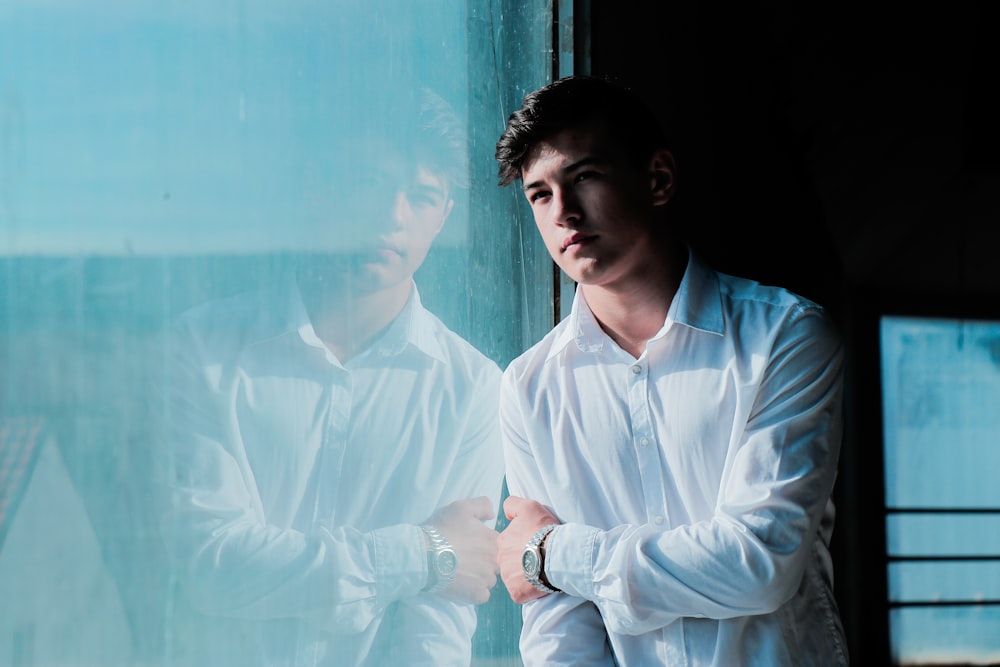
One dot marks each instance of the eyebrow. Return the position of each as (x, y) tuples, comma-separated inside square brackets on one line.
[(582, 162), (432, 180), (427, 189)]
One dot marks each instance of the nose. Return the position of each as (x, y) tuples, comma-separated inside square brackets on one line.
[(385, 214), (566, 208), (401, 211)]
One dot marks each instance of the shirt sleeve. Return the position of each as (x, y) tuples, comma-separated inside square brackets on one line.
[(749, 558), (478, 470), (557, 629), (228, 558), (429, 629)]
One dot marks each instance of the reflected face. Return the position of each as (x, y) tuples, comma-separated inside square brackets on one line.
[(406, 212), (390, 211), (593, 207)]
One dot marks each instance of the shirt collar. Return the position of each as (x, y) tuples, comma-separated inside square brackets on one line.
[(698, 301), (414, 327), (581, 328), (697, 304)]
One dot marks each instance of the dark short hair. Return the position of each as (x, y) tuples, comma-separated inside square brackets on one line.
[(418, 122), (440, 139), (573, 101)]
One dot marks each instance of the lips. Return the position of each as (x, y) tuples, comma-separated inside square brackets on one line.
[(576, 240), (388, 247)]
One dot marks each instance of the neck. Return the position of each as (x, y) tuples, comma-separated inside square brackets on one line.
[(347, 318), (632, 310)]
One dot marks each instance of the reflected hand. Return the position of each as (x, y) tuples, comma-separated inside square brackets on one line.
[(526, 518), (475, 545)]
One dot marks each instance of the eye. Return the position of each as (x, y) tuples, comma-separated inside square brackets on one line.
[(585, 175), (537, 195), (421, 200), (424, 197)]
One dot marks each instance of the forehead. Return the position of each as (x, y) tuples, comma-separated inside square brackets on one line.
[(373, 152), (428, 178), (590, 141)]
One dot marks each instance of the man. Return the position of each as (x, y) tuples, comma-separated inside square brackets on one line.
[(334, 456), (671, 446)]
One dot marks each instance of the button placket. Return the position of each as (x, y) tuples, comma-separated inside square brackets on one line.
[(335, 431), (648, 457)]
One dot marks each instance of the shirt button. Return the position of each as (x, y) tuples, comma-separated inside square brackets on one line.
[(658, 520), (643, 441), (636, 369)]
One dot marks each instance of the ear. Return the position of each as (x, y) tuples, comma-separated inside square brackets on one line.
[(661, 172)]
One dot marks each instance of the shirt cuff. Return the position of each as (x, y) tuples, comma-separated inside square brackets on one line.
[(400, 562), (569, 559)]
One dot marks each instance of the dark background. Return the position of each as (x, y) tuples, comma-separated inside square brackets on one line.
[(850, 152)]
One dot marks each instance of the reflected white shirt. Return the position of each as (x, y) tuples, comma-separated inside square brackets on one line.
[(298, 484), (693, 482)]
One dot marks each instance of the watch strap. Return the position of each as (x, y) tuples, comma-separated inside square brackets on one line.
[(535, 544), (437, 544)]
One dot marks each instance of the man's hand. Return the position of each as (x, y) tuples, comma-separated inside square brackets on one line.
[(526, 517), (475, 545)]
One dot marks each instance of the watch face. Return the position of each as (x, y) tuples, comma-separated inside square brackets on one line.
[(529, 561), (445, 563)]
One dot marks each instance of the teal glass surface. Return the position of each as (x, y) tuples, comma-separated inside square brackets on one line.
[(156, 157)]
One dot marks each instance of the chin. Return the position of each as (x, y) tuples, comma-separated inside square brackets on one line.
[(376, 278), (585, 276)]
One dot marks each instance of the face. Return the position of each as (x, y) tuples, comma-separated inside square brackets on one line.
[(414, 206), (594, 209), (391, 212)]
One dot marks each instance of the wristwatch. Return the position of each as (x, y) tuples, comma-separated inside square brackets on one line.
[(441, 561), (533, 560)]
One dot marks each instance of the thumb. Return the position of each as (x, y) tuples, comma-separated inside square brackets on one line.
[(512, 506), (482, 508)]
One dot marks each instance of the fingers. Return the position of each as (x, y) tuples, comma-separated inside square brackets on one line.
[(481, 593), (474, 581), (480, 509), (515, 506)]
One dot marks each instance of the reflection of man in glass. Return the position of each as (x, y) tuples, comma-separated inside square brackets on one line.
[(334, 458)]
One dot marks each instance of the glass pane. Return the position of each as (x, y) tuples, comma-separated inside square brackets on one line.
[(945, 635), (944, 581), (941, 386), (269, 175), (943, 534)]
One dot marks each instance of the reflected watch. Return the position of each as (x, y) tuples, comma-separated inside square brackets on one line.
[(533, 560), (441, 560)]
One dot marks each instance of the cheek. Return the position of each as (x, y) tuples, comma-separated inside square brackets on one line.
[(425, 221), (549, 234), (423, 230)]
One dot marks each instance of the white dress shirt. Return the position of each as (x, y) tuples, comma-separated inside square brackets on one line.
[(694, 482), (297, 485)]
